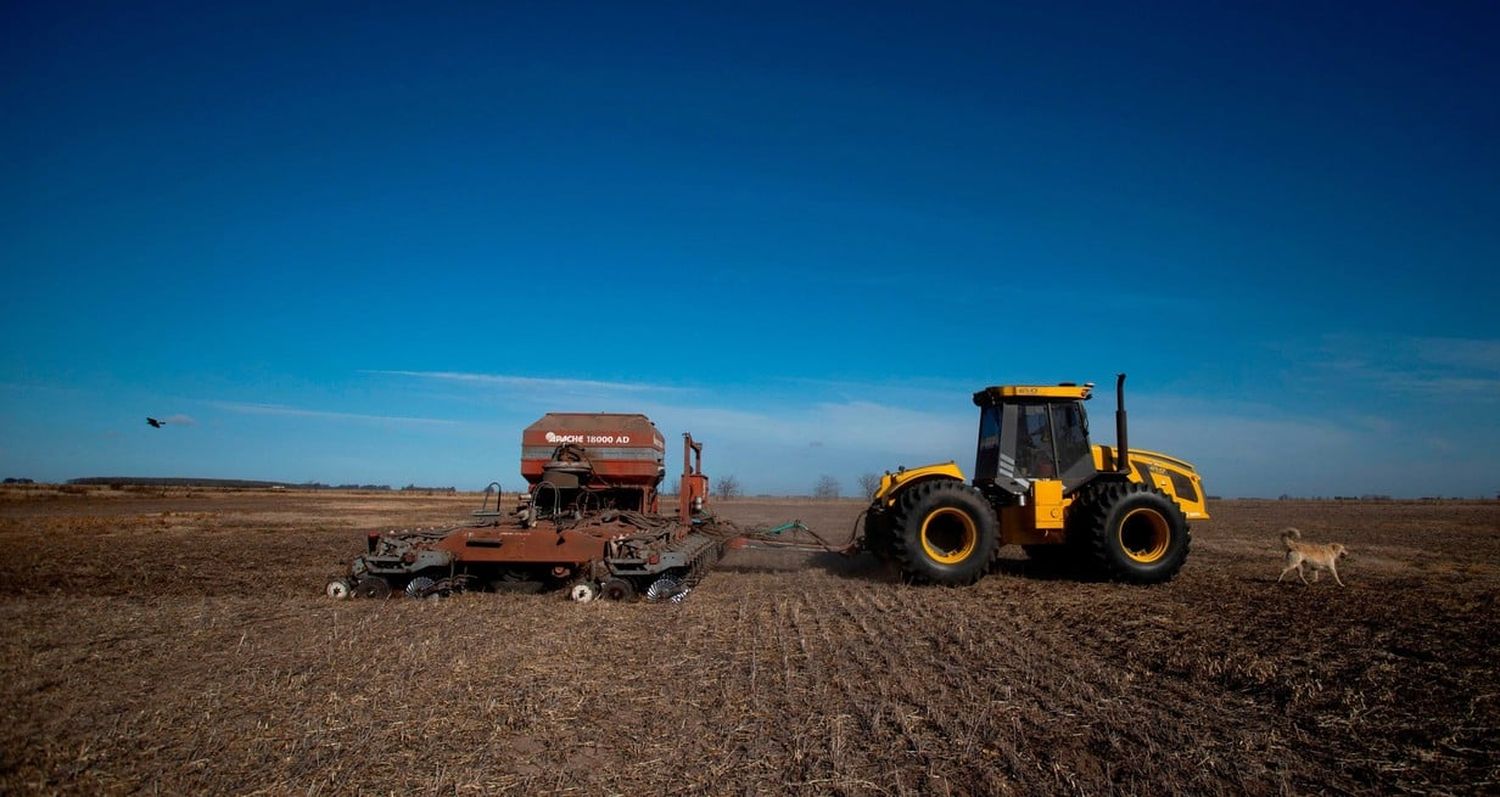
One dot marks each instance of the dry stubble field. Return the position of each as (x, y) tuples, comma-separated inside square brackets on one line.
[(179, 643)]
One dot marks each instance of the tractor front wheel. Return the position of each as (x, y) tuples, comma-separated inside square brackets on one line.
[(943, 532)]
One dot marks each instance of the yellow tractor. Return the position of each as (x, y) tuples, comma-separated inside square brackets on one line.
[(1040, 484)]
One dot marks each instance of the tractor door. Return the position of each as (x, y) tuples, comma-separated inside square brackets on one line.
[(1035, 457), (1070, 439)]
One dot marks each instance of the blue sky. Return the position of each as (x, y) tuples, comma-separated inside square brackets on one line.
[(370, 242)]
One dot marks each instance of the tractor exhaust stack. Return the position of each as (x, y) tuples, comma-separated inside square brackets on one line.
[(1122, 444)]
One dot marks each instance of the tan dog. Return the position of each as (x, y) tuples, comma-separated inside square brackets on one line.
[(1318, 557)]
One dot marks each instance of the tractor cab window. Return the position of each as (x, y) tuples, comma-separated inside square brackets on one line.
[(1034, 456), (1071, 432)]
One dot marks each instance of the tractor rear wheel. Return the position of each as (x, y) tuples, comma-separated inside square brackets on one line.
[(1131, 532), (943, 532)]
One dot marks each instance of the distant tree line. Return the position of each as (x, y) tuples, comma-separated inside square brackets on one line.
[(161, 481), (173, 481), (1366, 497)]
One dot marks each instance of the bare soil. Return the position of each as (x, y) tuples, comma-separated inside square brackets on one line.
[(177, 641)]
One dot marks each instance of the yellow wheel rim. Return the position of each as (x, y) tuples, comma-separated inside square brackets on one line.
[(949, 535), (1145, 535)]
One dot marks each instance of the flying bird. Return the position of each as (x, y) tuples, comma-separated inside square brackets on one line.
[(155, 424)]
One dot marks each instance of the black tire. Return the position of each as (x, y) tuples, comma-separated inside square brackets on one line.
[(943, 532), (1130, 532)]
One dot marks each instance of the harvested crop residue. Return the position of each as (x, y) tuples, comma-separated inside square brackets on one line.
[(181, 643)]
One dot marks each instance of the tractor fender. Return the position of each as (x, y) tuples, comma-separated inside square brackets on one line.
[(893, 484)]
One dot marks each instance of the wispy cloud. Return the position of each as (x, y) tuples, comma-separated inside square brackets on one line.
[(247, 408), (850, 425), (532, 382), (1465, 353), (786, 446), (180, 420), (919, 392), (1429, 367)]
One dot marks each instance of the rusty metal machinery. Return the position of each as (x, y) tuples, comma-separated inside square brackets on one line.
[(589, 522), (576, 463)]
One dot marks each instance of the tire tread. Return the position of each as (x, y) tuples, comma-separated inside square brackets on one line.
[(905, 542)]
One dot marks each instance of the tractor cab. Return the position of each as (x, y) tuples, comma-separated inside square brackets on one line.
[(1031, 433)]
